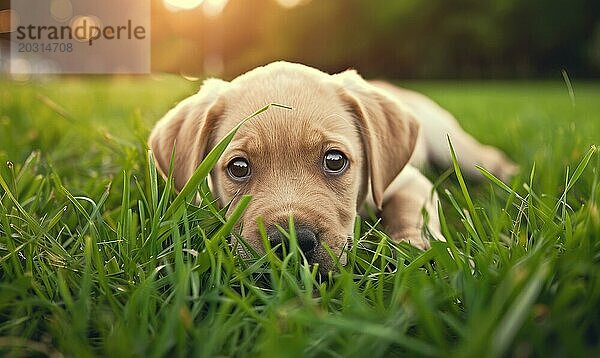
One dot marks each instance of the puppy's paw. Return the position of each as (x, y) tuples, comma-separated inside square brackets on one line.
[(413, 237), (499, 165), (509, 169)]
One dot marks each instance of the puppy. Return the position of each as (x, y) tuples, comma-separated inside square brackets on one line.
[(346, 143)]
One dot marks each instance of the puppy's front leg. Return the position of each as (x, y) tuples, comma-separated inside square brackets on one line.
[(403, 202)]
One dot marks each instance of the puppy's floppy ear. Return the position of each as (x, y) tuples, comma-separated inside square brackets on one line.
[(186, 129), (388, 130)]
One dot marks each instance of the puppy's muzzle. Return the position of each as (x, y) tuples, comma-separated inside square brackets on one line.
[(307, 239)]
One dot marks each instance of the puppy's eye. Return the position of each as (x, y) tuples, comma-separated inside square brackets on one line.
[(238, 168), (335, 162)]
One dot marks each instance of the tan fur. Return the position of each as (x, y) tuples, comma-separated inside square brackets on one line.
[(389, 130), (370, 124), (184, 130)]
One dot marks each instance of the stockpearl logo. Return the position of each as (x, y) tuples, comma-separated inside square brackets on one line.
[(80, 36)]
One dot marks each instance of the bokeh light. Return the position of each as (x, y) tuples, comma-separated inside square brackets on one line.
[(20, 69), (61, 10), (86, 22), (182, 4), (214, 8), (289, 3)]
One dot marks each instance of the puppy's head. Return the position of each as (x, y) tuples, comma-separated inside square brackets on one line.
[(316, 162)]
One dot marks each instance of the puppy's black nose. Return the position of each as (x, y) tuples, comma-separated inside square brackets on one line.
[(307, 239)]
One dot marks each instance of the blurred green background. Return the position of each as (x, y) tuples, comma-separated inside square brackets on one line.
[(381, 38), (427, 39)]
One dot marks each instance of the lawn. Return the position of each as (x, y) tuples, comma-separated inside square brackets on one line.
[(99, 257)]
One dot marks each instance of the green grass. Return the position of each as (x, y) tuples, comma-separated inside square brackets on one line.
[(98, 256)]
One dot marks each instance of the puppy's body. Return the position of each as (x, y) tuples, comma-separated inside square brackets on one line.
[(432, 145), (290, 161)]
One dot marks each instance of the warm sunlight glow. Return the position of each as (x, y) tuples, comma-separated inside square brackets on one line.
[(289, 3), (214, 8), (182, 4)]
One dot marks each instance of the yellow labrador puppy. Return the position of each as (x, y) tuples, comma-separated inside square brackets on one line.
[(346, 142)]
